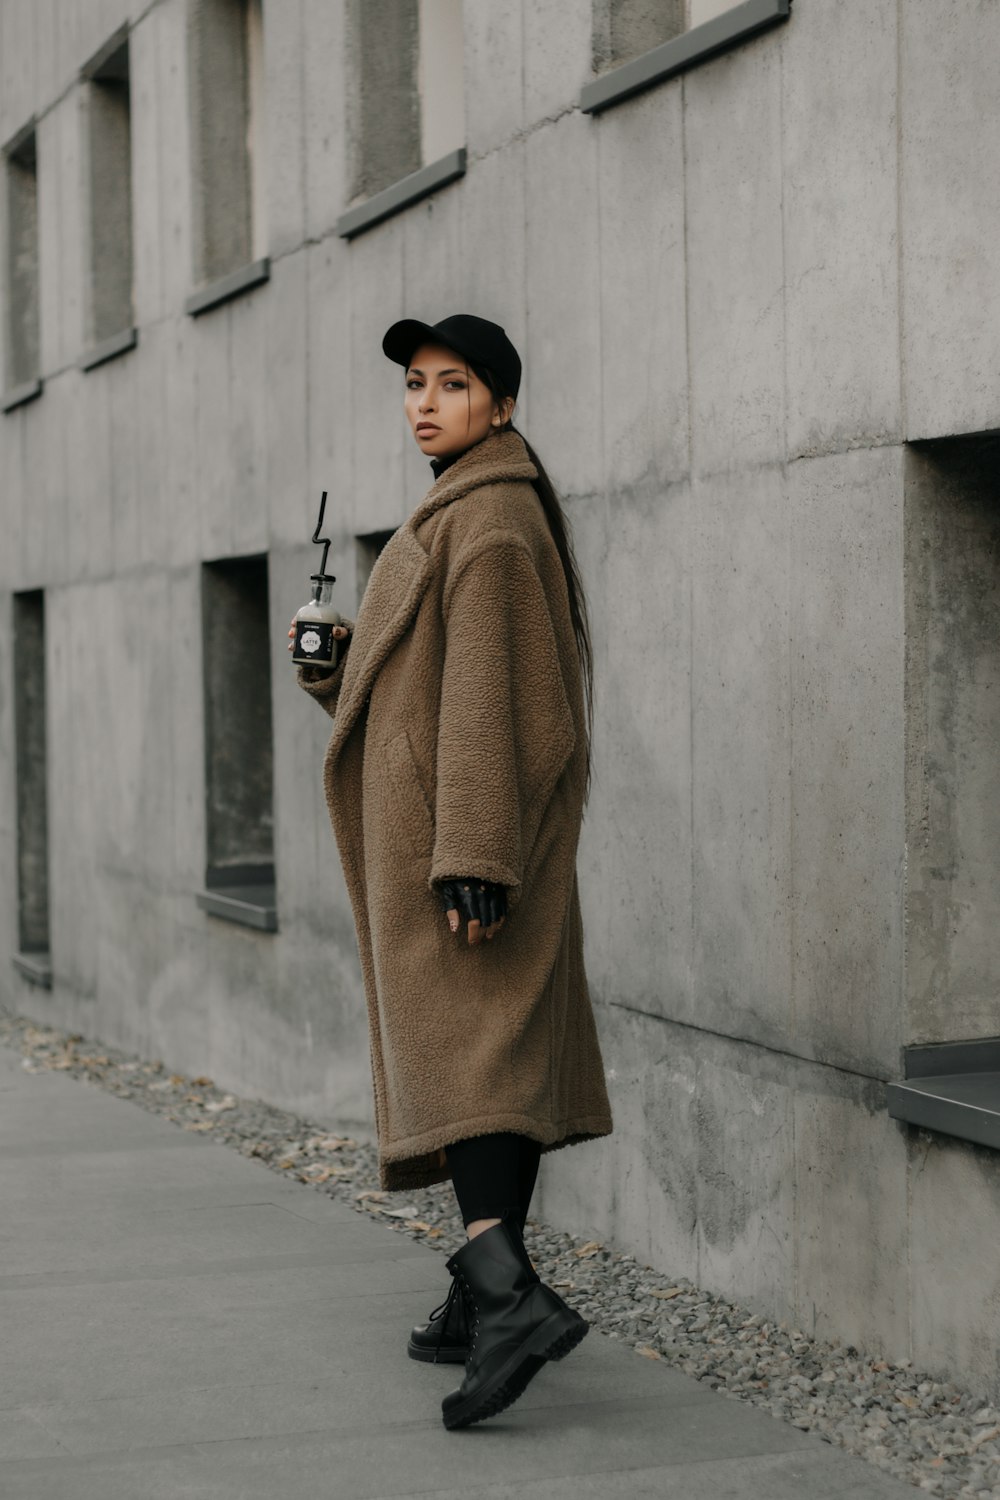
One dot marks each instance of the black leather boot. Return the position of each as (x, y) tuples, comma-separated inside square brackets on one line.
[(444, 1339), (517, 1324)]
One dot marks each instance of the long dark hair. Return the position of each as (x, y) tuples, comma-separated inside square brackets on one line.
[(561, 535)]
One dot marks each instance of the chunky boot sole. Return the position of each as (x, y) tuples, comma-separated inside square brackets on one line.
[(448, 1354), (554, 1339)]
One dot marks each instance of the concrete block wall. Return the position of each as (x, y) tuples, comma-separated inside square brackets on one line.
[(740, 297)]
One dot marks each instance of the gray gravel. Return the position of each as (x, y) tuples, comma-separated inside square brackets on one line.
[(933, 1434)]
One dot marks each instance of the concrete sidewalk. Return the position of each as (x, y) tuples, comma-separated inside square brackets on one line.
[(179, 1322)]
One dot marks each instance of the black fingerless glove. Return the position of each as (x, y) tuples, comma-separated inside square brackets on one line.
[(476, 900)]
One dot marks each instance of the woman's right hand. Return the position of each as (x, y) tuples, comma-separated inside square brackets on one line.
[(339, 633)]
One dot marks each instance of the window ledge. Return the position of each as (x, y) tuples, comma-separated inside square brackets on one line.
[(252, 905), (953, 1088), (107, 349), (35, 967), (231, 285), (401, 194), (681, 52), (19, 394)]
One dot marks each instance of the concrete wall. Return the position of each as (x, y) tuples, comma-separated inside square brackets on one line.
[(740, 297)]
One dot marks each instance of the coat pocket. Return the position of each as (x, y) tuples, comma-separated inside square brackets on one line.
[(411, 801)]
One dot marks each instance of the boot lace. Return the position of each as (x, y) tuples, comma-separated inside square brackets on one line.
[(457, 1292)]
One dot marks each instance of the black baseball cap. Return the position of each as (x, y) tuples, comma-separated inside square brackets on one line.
[(477, 339)]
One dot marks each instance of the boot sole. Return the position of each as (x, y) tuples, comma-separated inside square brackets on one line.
[(448, 1355), (553, 1339)]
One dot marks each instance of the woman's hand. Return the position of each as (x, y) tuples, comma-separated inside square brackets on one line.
[(339, 633), (482, 901)]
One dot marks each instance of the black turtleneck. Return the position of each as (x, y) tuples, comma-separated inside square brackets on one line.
[(438, 465)]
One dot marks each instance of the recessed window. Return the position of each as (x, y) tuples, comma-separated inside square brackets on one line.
[(107, 103), (227, 141), (637, 44), (406, 104), (32, 957), (21, 267), (239, 758)]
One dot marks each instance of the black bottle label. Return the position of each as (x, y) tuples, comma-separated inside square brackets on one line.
[(314, 642)]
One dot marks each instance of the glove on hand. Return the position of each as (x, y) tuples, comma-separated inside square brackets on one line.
[(480, 901)]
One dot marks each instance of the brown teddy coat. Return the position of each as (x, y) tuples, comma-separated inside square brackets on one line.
[(458, 749)]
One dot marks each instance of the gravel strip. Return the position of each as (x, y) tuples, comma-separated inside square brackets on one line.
[(929, 1433)]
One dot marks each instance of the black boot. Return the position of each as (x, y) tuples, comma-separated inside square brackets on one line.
[(444, 1339), (517, 1324)]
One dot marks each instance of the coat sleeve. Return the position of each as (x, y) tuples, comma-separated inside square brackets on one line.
[(325, 686), (506, 727)]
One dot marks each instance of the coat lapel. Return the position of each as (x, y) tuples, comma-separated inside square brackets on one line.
[(404, 568)]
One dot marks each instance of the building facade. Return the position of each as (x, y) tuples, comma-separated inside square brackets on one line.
[(749, 254)]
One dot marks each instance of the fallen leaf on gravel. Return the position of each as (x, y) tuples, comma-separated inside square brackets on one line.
[(370, 1193), (434, 1234), (198, 1125), (176, 1078), (287, 1161), (673, 1291), (316, 1173), (418, 1224), (261, 1148), (399, 1213), (647, 1352), (590, 1248), (216, 1106), (202, 1082), (329, 1142)]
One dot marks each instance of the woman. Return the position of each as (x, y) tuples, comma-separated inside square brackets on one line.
[(456, 776)]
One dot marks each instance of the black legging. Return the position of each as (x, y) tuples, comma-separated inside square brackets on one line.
[(494, 1174)]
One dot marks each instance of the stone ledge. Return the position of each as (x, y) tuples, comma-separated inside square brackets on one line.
[(252, 905), (117, 344), (35, 967), (18, 395), (231, 285), (682, 52), (401, 194)]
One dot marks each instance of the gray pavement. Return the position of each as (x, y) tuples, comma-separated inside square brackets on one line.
[(178, 1321)]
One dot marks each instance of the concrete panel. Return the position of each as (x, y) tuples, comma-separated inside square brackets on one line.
[(257, 387), (951, 260), (212, 472), (557, 58), (381, 435), (562, 287), (89, 541), (48, 513), (848, 837), (639, 823), (329, 419), (181, 477), (147, 368), (323, 115), (126, 491), (182, 689), (637, 1187), (851, 1274), (283, 127), (284, 313), (741, 747), (841, 252), (644, 392), (954, 1211), (150, 126), (491, 270), (19, 95), (742, 1117), (177, 245), (732, 144), (494, 83)]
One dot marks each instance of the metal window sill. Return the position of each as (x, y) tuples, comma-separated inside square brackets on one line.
[(35, 967), (682, 52), (953, 1088), (234, 284), (118, 343), (248, 905), (18, 395), (401, 194)]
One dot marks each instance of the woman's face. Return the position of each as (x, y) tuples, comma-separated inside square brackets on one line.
[(448, 407)]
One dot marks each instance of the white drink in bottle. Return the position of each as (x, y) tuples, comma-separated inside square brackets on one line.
[(315, 644)]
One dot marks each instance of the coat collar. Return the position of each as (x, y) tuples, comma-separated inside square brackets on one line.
[(404, 569)]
